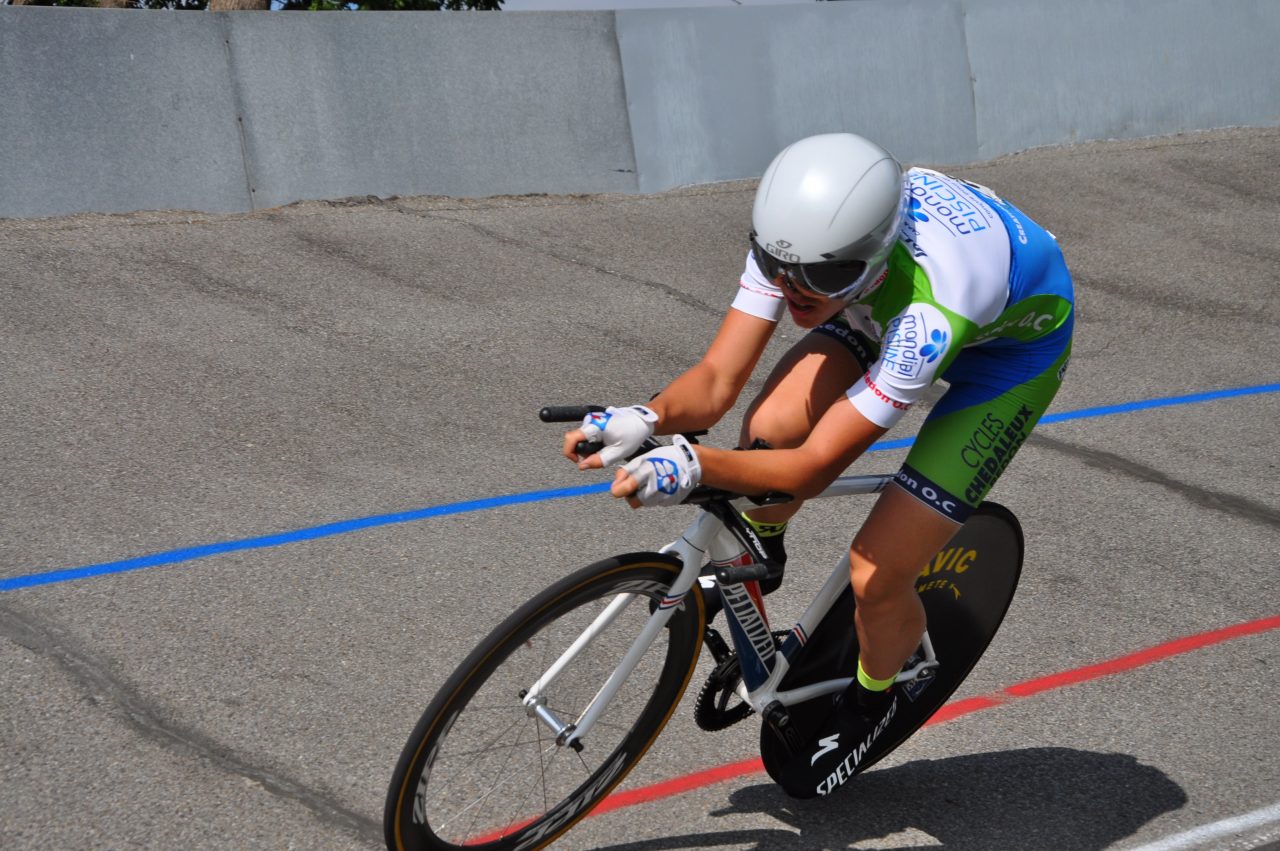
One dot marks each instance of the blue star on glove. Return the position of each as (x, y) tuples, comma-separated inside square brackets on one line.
[(666, 476)]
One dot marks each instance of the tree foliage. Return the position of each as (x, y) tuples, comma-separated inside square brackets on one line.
[(388, 5), (284, 5)]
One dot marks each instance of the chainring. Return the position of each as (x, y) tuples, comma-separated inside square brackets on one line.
[(712, 710)]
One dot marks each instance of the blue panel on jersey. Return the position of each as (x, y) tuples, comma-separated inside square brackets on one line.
[(984, 372), (1036, 266)]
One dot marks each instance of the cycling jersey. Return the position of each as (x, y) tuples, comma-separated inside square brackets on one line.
[(975, 293)]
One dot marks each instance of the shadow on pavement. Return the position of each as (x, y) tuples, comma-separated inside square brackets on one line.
[(1058, 798)]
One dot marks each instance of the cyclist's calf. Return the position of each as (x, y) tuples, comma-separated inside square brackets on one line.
[(900, 536)]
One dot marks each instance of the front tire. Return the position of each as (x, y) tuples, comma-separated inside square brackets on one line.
[(480, 770)]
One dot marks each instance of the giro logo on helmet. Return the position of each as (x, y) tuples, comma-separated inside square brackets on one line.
[(779, 249)]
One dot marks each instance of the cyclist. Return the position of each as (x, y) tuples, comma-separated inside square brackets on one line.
[(904, 278)]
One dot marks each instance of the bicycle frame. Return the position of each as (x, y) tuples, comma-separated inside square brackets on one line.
[(708, 539)]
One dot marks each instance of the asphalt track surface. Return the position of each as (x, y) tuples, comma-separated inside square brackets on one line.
[(175, 381)]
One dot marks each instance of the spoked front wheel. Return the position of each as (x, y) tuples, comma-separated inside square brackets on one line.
[(483, 769)]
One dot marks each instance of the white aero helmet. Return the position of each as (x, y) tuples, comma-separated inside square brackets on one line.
[(827, 214)]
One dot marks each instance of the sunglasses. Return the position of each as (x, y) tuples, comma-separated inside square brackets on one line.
[(828, 278)]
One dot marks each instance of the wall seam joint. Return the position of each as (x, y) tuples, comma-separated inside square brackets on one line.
[(973, 83), (626, 105), (237, 105)]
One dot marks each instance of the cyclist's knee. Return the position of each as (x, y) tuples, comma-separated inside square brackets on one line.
[(900, 536), (773, 422), (875, 585)]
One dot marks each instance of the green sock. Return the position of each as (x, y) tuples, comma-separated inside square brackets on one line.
[(770, 535), (869, 682), (765, 530)]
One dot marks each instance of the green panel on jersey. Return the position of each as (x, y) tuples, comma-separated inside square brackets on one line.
[(965, 451), (908, 283), (1034, 317)]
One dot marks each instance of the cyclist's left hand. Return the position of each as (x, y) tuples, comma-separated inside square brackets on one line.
[(663, 476), (622, 431)]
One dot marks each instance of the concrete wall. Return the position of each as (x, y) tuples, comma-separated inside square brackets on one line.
[(714, 94), (438, 104), (1048, 73), (116, 110)]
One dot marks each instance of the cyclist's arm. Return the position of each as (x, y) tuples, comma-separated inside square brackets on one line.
[(920, 341), (836, 441), (699, 397)]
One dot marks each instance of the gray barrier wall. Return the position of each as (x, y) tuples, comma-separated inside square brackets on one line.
[(460, 104), (111, 110), (714, 95), (115, 110), (1049, 73)]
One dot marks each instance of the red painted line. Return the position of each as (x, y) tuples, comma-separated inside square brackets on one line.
[(676, 785), (951, 711), (1142, 657), (963, 707)]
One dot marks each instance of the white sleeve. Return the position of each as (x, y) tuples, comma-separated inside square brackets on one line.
[(914, 347), (757, 295), (873, 402)]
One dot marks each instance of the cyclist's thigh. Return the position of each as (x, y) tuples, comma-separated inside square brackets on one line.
[(813, 374), (996, 397)]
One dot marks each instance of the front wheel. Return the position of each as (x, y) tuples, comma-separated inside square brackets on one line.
[(480, 769)]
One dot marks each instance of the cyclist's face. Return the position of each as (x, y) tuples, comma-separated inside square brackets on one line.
[(808, 309)]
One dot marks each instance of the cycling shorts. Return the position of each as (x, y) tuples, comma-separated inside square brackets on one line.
[(997, 393)]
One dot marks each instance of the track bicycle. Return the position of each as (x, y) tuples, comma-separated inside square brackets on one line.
[(548, 714)]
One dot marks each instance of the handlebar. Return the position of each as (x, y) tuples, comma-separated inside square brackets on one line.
[(701, 495), (574, 414), (567, 413)]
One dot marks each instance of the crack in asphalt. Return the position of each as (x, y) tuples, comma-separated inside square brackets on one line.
[(665, 289), (93, 676), (1227, 503), (1134, 291)]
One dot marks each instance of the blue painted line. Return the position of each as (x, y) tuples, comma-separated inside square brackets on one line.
[(343, 527), (309, 534), (1170, 401), (1126, 408)]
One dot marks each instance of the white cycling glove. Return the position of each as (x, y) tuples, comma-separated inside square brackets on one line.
[(666, 475), (621, 430)]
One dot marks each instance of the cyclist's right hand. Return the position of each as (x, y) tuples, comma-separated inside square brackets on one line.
[(621, 430)]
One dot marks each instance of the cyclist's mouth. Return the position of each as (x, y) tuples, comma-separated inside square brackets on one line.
[(800, 305)]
